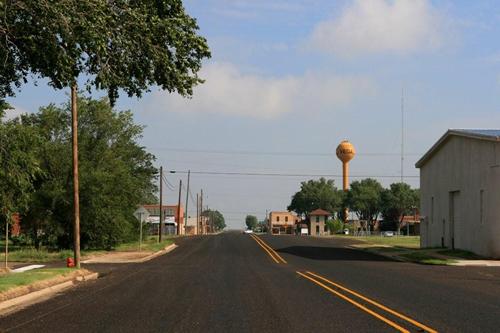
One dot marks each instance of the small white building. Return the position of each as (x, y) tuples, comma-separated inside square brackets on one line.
[(460, 192)]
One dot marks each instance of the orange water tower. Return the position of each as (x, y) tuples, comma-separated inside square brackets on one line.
[(345, 153)]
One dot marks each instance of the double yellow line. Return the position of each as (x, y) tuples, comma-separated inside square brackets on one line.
[(330, 285), (269, 250)]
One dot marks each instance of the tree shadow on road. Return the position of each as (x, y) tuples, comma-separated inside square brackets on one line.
[(332, 253)]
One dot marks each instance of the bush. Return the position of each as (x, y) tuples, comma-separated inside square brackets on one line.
[(335, 226)]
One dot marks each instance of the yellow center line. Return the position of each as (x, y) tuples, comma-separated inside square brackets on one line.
[(270, 249), (269, 253), (360, 306), (366, 299)]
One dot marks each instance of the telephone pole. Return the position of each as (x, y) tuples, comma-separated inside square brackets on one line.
[(76, 193), (179, 209), (197, 215), (402, 132), (160, 225), (187, 197), (201, 213)]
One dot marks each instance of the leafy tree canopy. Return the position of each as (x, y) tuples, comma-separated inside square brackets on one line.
[(120, 44), (364, 198), (251, 222), (117, 174), (316, 194), (216, 218), (19, 166), (399, 200)]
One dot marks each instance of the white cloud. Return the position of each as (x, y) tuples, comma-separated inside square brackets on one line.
[(381, 26), (14, 112), (229, 91)]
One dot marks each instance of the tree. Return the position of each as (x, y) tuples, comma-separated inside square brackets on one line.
[(117, 176), (335, 226), (398, 201), (263, 225), (215, 219), (18, 169), (364, 198), (128, 45), (316, 194), (251, 222)]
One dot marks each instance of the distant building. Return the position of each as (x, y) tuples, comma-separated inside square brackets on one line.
[(317, 222), (171, 217), (460, 192), (282, 222)]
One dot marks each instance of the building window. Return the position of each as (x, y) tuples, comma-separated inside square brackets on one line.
[(286, 218), (277, 218), (481, 206), (317, 218), (326, 228)]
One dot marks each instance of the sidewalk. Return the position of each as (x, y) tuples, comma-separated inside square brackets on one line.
[(117, 257)]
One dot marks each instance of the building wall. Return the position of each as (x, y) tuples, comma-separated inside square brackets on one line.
[(282, 222), (460, 196), (313, 224)]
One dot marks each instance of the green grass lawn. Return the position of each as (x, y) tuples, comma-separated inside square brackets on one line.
[(402, 242), (460, 254), (32, 255), (149, 244), (426, 258), (11, 280)]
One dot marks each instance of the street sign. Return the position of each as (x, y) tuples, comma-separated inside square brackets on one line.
[(141, 214)]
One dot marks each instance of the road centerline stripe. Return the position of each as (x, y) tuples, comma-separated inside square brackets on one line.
[(368, 300), (270, 249), (358, 305), (268, 252), (383, 307)]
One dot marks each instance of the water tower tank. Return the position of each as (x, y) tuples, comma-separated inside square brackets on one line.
[(345, 151)]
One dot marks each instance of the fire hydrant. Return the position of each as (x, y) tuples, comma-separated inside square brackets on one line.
[(70, 262)]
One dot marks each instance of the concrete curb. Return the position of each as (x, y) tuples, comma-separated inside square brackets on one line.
[(15, 303), (166, 250)]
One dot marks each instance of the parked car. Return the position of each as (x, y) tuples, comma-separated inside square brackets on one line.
[(388, 233), (346, 231), (248, 231)]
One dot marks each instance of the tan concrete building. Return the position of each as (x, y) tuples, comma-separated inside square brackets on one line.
[(460, 192), (282, 222), (317, 222)]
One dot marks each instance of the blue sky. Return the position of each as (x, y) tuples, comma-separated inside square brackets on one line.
[(300, 76)]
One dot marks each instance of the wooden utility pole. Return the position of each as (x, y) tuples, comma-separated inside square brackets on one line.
[(201, 213), (197, 215), (76, 195), (187, 200), (160, 225), (179, 209)]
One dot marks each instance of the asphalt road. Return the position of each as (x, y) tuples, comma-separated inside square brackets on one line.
[(233, 283)]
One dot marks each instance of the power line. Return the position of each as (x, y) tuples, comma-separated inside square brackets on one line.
[(169, 185), (275, 153), (190, 195), (220, 173)]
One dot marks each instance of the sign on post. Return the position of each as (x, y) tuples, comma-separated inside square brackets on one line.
[(141, 214)]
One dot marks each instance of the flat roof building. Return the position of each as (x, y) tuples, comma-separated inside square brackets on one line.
[(460, 192), (282, 222)]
